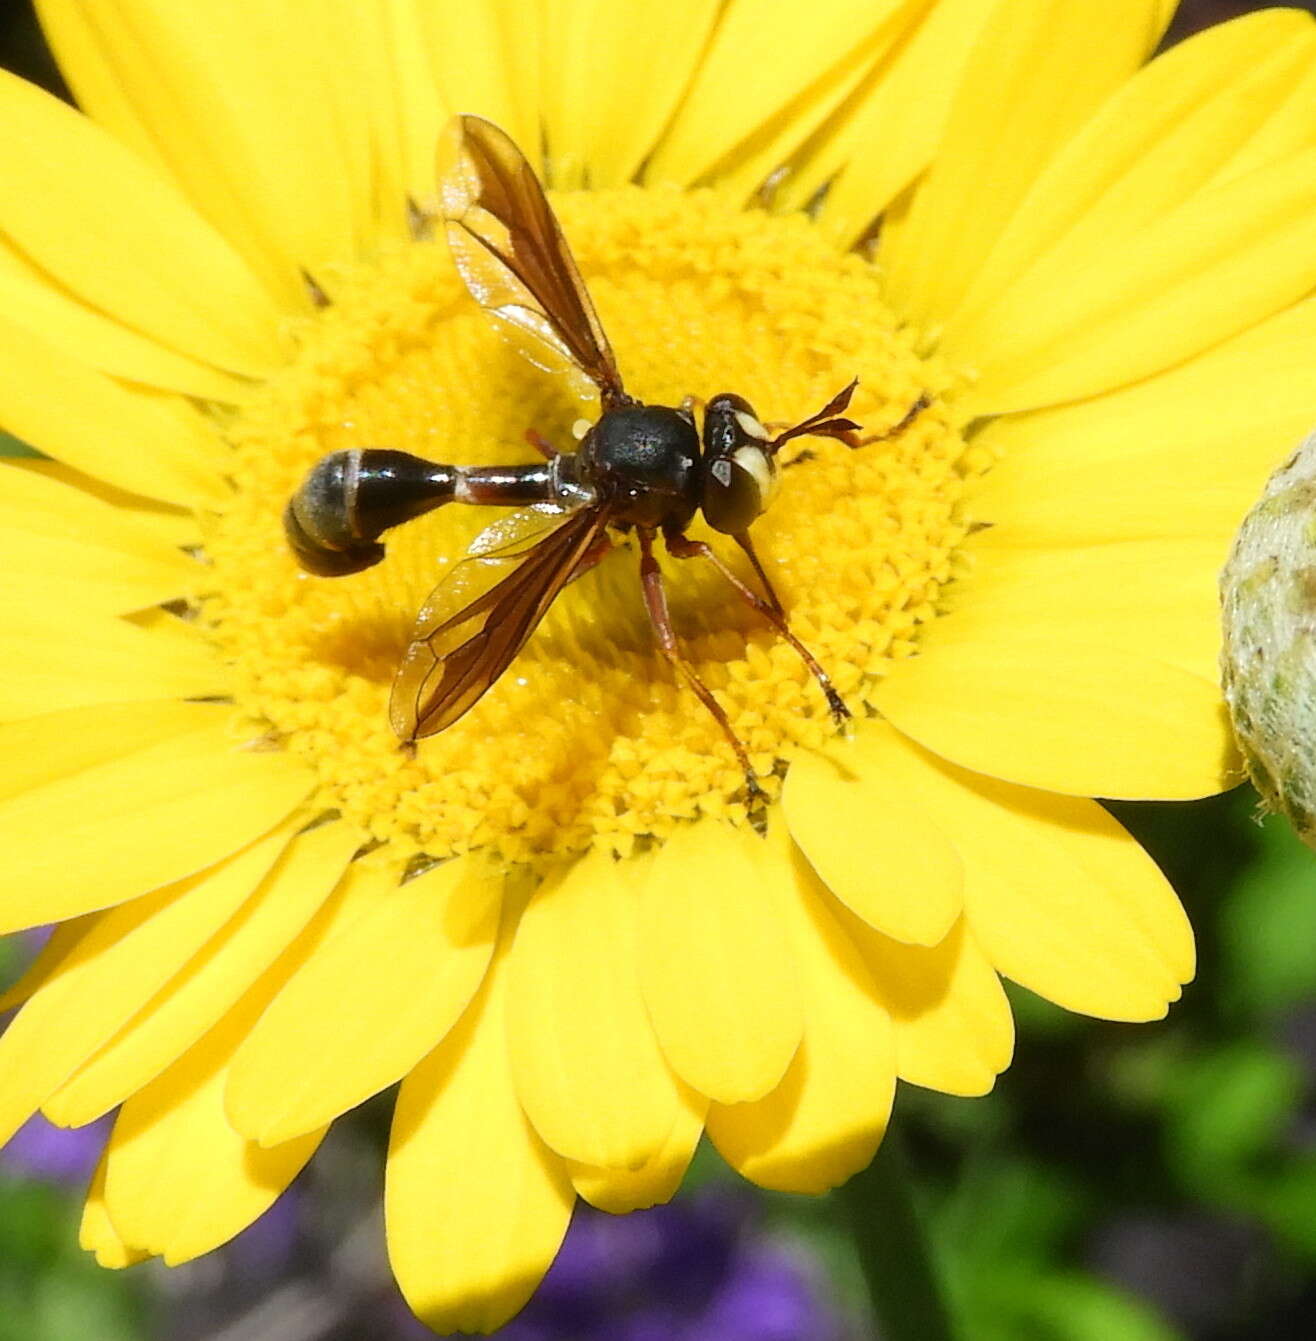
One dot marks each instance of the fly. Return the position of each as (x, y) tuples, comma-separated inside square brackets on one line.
[(639, 467)]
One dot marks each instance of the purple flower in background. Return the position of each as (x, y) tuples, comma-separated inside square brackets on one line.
[(696, 1270), (54, 1154)]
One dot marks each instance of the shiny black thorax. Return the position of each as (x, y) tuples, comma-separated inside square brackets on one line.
[(644, 463)]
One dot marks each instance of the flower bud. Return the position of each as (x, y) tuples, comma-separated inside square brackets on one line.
[(1268, 662)]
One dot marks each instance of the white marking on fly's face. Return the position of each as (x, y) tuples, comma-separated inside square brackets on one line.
[(580, 428), (461, 491), (751, 426), (756, 463)]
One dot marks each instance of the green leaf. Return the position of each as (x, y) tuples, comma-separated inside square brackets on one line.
[(81, 1304), (1005, 1215), (1074, 1307), (1287, 1204), (1232, 1109), (34, 1217), (1268, 928)]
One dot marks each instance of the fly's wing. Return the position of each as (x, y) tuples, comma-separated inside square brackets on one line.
[(510, 250), (479, 617)]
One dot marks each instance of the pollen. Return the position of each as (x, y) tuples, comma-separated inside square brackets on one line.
[(588, 739)]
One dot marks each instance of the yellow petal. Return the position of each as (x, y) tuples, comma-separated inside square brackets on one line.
[(40, 752), (70, 31), (152, 812), (408, 107), (171, 524), (213, 980), (620, 1191), (883, 858), (717, 969), (607, 98), (772, 149), (1113, 468), (865, 159), (364, 1009), (29, 298), (487, 60), (358, 110), (826, 1118), (62, 546), (767, 64), (386, 107), (475, 1205), (1079, 717), (154, 263), (148, 443), (1038, 71), (952, 1022), (52, 659), (1093, 317), (1181, 122), (179, 1181), (1155, 598), (117, 82), (97, 1234), (1057, 895), (245, 119), (114, 970), (587, 1066)]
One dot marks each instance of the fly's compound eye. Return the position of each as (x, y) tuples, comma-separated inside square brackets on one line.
[(737, 488), (740, 476), (729, 423)]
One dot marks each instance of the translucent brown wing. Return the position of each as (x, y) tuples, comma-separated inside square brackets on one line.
[(479, 617), (510, 250)]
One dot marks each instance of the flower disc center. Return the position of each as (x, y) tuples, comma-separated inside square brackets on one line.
[(588, 737)]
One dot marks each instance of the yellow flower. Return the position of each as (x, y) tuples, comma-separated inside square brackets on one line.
[(1100, 271)]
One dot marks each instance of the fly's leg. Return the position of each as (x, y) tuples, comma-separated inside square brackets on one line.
[(541, 444), (743, 540), (655, 602), (682, 547), (593, 556)]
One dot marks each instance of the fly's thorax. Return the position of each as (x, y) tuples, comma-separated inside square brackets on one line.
[(740, 472), (644, 461)]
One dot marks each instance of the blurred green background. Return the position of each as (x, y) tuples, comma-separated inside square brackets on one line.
[(1123, 1183)]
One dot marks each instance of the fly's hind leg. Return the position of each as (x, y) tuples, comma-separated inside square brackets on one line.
[(655, 602)]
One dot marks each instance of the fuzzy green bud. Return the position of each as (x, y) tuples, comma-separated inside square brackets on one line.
[(1268, 663)]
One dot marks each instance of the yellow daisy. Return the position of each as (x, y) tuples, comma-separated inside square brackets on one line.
[(554, 923)]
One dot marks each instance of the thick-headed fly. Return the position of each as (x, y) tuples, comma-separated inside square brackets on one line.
[(640, 468)]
